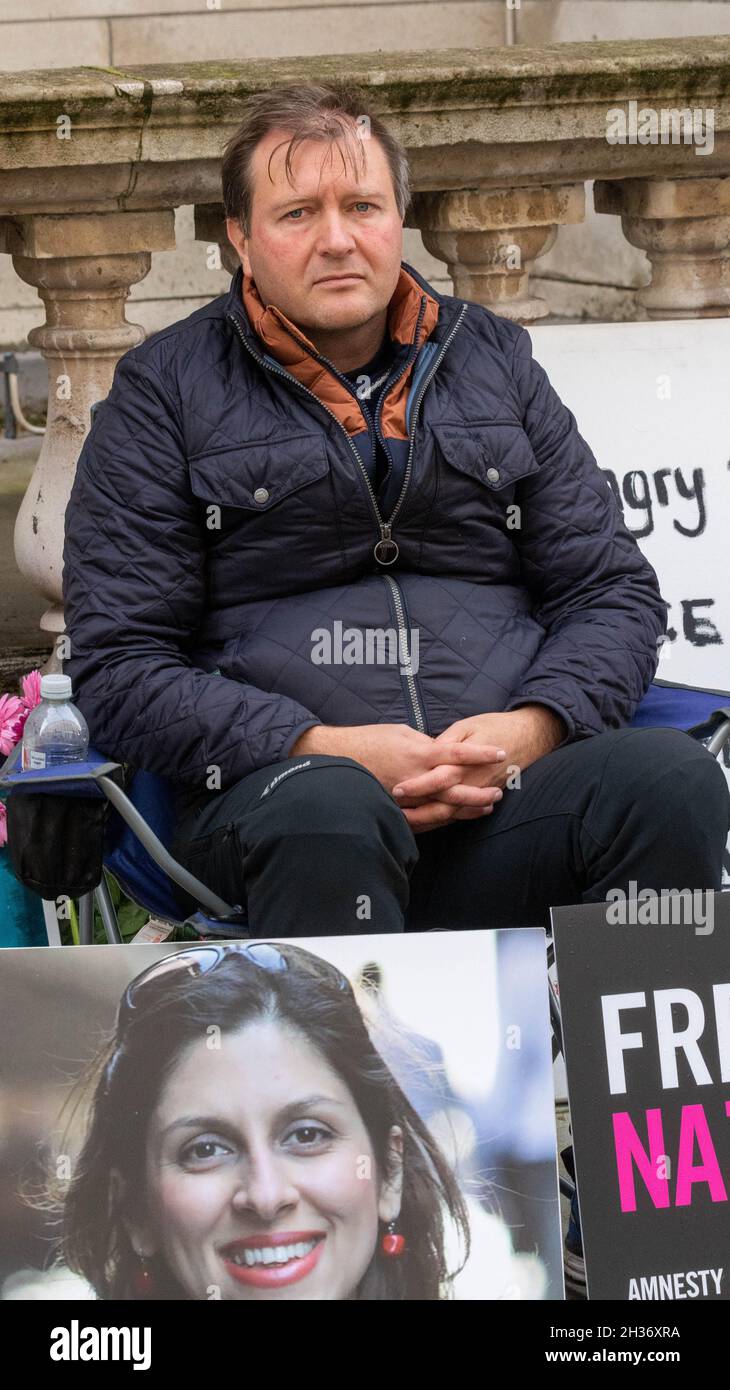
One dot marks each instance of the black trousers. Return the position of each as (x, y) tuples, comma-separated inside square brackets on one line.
[(315, 846)]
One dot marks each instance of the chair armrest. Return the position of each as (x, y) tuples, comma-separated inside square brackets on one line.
[(66, 779)]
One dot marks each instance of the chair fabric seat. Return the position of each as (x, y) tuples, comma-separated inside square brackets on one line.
[(134, 869), (679, 707)]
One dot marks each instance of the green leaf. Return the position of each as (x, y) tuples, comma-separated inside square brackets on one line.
[(130, 917)]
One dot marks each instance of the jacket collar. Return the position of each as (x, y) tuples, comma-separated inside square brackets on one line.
[(404, 312), (401, 315), (413, 314)]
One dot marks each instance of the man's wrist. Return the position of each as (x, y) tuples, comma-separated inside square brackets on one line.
[(545, 725), (316, 739)]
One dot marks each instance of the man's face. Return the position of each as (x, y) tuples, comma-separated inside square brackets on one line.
[(325, 248)]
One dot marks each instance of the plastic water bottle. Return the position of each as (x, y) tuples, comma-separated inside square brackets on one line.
[(55, 731)]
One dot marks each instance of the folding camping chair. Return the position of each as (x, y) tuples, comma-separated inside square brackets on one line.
[(140, 826), (137, 836)]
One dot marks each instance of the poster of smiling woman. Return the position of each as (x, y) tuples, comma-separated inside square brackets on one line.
[(271, 1121)]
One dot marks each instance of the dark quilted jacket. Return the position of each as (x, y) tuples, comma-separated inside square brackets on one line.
[(221, 531)]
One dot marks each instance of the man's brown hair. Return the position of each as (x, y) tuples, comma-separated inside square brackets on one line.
[(307, 111)]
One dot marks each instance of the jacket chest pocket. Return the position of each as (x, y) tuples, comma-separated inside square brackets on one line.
[(260, 476), (494, 455)]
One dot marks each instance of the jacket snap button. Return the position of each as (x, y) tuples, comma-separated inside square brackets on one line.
[(493, 475), (261, 494)]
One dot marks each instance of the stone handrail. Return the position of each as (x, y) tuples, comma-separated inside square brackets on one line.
[(93, 162)]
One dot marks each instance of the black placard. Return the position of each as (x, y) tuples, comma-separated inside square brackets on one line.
[(649, 1089)]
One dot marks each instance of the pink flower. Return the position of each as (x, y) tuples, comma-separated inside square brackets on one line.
[(20, 724), (13, 714), (32, 689), (3, 825)]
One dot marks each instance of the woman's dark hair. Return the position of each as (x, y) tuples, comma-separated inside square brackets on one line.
[(130, 1076)]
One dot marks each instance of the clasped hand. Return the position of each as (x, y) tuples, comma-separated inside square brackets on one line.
[(467, 765), (457, 776)]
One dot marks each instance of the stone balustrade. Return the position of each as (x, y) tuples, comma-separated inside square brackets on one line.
[(502, 142)]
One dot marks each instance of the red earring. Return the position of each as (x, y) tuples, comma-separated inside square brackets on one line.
[(143, 1280), (392, 1244)]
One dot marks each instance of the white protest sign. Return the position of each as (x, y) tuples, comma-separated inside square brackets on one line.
[(653, 402)]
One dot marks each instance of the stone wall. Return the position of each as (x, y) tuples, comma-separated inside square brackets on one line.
[(113, 33), (591, 272)]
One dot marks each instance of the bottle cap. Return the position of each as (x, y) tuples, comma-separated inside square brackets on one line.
[(56, 687)]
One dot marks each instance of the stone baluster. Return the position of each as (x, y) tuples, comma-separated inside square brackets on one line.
[(684, 227), (210, 226), (490, 238), (83, 266)]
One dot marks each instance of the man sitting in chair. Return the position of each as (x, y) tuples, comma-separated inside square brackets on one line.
[(339, 564)]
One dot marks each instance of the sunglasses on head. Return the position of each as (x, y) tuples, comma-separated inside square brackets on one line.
[(201, 960)]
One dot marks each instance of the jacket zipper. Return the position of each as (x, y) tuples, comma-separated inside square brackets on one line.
[(405, 646), (416, 408), (387, 546), (378, 438)]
